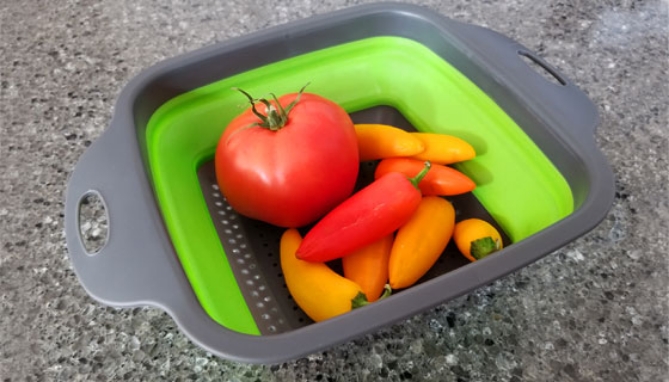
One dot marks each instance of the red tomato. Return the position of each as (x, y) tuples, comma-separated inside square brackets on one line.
[(292, 175)]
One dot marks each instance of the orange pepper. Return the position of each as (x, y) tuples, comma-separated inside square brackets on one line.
[(443, 148), (378, 141), (476, 238), (368, 267), (318, 290), (419, 243), (440, 180)]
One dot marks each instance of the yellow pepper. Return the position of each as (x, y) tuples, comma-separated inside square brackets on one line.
[(318, 290), (476, 238), (419, 243), (378, 141), (443, 148)]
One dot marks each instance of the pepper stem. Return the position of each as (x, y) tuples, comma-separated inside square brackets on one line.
[(416, 179), (482, 247), (387, 291), (360, 299)]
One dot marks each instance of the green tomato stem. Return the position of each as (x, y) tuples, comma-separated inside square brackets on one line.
[(276, 115)]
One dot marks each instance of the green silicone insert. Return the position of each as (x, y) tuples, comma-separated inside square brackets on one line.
[(517, 183)]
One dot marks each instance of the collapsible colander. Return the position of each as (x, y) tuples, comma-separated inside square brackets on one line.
[(174, 243)]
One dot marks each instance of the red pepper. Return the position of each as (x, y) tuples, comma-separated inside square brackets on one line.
[(370, 214)]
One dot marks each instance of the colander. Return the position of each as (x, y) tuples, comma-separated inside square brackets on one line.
[(174, 242)]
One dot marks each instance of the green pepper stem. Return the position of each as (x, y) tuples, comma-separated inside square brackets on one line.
[(416, 179), (387, 291), (484, 246), (360, 299)]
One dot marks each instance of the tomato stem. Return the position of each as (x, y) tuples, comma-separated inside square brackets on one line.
[(292, 104), (253, 103), (277, 115), (416, 179)]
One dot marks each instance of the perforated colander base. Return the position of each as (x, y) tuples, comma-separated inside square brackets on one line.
[(252, 246)]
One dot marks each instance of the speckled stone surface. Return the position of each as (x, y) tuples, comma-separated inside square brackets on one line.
[(596, 310)]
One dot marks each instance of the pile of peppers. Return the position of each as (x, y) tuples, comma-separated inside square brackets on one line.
[(389, 233)]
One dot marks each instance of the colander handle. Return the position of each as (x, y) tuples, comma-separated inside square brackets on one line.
[(136, 265), (558, 100)]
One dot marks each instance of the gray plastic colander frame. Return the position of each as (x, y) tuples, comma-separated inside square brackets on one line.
[(138, 265)]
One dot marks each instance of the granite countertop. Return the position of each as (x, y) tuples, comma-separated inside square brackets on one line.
[(595, 310)]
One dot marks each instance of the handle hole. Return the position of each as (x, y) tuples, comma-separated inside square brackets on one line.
[(542, 68), (93, 222)]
